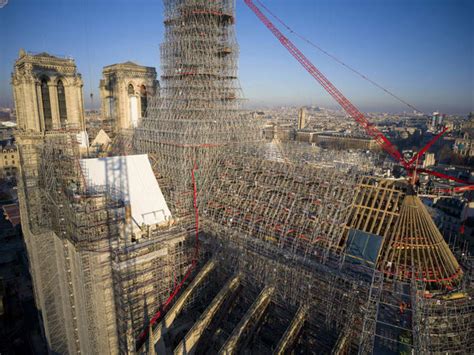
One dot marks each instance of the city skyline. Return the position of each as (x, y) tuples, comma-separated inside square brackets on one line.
[(424, 54)]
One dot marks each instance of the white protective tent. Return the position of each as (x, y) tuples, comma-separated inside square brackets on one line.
[(133, 179)]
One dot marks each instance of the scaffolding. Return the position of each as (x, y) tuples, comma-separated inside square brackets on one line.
[(101, 279), (300, 208), (312, 250), (288, 216), (445, 324), (198, 109)]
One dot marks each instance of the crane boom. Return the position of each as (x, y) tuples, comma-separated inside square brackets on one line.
[(426, 147), (350, 109), (444, 176), (460, 189)]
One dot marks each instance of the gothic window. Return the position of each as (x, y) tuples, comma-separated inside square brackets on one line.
[(133, 106), (62, 104), (143, 100), (109, 107), (48, 118)]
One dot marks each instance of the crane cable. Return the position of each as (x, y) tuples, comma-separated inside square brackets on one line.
[(335, 58), (88, 53)]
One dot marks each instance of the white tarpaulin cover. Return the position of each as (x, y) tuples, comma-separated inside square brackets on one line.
[(83, 139), (132, 177)]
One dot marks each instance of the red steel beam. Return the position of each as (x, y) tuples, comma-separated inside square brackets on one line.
[(458, 189), (426, 147), (444, 176)]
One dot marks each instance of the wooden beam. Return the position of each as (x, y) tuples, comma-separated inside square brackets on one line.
[(171, 315), (342, 341), (253, 315), (151, 341), (188, 344), (291, 334)]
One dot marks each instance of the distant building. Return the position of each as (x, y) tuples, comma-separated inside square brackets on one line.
[(8, 160), (428, 160), (343, 141), (304, 136), (301, 118), (457, 218), (125, 91), (464, 146), (6, 130), (436, 119), (414, 121), (283, 133), (5, 114)]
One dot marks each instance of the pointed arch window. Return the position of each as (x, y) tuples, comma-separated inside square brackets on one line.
[(133, 106), (62, 104), (47, 116), (143, 100)]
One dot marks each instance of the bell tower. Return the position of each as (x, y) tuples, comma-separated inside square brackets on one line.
[(47, 92), (126, 90)]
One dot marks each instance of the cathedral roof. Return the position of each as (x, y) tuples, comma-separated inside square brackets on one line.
[(128, 65), (43, 54), (132, 180)]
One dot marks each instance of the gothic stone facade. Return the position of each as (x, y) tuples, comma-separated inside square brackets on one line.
[(125, 91), (48, 99), (47, 92)]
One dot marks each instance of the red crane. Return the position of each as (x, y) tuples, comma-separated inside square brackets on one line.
[(351, 110)]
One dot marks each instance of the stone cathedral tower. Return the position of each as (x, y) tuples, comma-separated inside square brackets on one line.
[(125, 91), (47, 92), (99, 274), (49, 104)]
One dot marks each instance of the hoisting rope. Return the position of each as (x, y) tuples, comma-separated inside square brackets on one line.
[(332, 56)]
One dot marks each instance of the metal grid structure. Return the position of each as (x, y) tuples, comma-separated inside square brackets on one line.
[(298, 207), (272, 213), (272, 204), (46, 279), (198, 109)]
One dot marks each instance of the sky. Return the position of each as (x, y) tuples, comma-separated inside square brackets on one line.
[(422, 50)]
